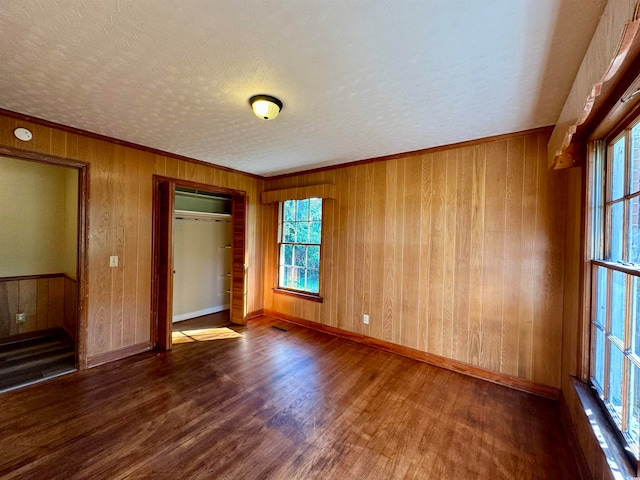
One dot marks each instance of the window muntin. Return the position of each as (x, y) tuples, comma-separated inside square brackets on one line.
[(615, 299), (299, 242)]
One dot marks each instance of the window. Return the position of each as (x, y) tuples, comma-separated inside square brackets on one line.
[(299, 241), (615, 270)]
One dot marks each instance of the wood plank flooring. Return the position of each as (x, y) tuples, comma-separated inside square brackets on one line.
[(278, 403)]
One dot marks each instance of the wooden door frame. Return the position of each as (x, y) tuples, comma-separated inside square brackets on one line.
[(83, 227), (162, 260)]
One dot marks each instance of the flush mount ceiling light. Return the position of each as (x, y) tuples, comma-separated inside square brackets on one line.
[(265, 106)]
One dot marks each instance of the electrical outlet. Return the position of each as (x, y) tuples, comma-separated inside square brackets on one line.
[(113, 261), (21, 317), (365, 319)]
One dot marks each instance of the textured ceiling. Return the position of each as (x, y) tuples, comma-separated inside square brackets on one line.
[(359, 79)]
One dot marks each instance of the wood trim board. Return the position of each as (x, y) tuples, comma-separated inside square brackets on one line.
[(113, 355)]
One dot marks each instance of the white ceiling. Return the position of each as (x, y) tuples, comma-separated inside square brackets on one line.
[(358, 79)]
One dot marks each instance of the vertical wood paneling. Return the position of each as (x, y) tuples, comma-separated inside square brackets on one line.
[(398, 251), (12, 300), (120, 217), (493, 267), (27, 304), (389, 252), (367, 244), (5, 316), (462, 288), (143, 261), (376, 314), (512, 247), (359, 198), (56, 302), (42, 306), (131, 185), (528, 263), (412, 185), (44, 300), (450, 210), (476, 249), (426, 200), (118, 212), (437, 254), (463, 249)]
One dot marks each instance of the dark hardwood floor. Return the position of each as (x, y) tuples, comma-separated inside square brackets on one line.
[(274, 404)]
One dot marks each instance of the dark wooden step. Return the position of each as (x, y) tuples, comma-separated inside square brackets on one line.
[(35, 359)]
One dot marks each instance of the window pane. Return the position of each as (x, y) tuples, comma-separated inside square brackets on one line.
[(300, 255), (634, 230), (315, 205), (634, 168), (303, 210), (615, 232), (601, 297), (286, 255), (313, 281), (289, 210), (618, 294), (289, 232), (617, 169), (598, 363), (315, 232), (302, 232), (313, 257), (298, 278), (286, 277), (634, 408), (615, 382)]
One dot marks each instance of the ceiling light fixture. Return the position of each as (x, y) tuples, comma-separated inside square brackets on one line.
[(265, 106)]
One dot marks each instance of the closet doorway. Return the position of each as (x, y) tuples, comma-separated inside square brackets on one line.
[(199, 268), (201, 260)]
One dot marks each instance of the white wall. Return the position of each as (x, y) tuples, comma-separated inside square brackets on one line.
[(200, 263), (38, 218)]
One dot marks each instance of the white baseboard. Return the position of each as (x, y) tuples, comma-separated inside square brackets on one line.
[(199, 313)]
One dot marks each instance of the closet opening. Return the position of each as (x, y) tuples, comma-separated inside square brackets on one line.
[(199, 261)]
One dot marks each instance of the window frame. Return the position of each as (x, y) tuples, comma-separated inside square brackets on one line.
[(303, 294), (598, 248)]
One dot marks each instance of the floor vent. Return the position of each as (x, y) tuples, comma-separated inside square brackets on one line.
[(279, 328)]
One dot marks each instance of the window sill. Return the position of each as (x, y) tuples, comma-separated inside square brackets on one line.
[(302, 295), (617, 459)]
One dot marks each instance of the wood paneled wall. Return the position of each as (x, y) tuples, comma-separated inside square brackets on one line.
[(44, 299), (120, 223), (458, 253)]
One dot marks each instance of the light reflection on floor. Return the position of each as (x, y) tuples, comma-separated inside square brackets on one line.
[(203, 335)]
